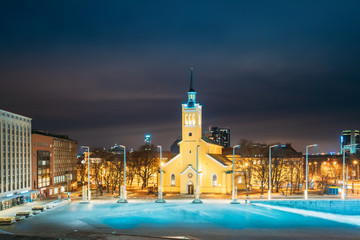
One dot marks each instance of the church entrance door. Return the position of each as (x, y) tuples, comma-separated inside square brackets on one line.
[(190, 188)]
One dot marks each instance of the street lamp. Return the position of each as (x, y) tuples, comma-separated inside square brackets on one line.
[(123, 195), (234, 190), (356, 164), (344, 149), (269, 197), (160, 200), (197, 191), (89, 194), (307, 169)]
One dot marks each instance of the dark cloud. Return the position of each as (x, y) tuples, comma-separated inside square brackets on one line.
[(111, 72)]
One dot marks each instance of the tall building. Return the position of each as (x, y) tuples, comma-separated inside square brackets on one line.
[(15, 159), (180, 172), (174, 148), (350, 137), (220, 135), (55, 158), (147, 142), (42, 162)]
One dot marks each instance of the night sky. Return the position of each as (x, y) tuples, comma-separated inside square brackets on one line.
[(107, 72)]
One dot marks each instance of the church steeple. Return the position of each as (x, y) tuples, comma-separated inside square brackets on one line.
[(191, 80), (191, 92)]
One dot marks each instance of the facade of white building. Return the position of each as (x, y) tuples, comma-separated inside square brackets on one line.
[(15, 153)]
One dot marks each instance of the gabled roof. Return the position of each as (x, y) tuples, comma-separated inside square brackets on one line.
[(171, 160), (285, 151), (221, 159), (189, 167), (207, 140)]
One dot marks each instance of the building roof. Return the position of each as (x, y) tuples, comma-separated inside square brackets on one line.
[(285, 151), (221, 159), (210, 141), (46, 133), (16, 114)]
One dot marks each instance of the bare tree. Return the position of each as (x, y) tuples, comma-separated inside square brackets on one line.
[(99, 157), (146, 163)]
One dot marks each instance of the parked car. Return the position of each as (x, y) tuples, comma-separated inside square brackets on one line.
[(157, 193), (151, 190), (154, 190)]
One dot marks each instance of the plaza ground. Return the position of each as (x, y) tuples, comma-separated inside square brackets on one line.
[(103, 218)]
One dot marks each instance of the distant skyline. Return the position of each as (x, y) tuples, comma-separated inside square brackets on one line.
[(106, 73)]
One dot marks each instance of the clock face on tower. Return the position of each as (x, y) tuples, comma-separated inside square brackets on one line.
[(190, 134)]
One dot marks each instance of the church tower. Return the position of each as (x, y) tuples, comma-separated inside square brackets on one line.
[(191, 127)]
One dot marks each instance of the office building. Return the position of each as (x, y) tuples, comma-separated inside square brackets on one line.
[(147, 142), (55, 157), (350, 137), (220, 135), (15, 159)]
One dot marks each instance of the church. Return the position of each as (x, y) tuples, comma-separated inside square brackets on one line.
[(214, 169)]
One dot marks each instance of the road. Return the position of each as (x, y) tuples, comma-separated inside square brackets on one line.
[(215, 219)]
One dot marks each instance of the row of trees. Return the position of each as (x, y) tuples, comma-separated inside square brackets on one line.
[(107, 167), (287, 166)]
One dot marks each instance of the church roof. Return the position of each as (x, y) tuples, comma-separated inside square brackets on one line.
[(221, 159), (210, 141)]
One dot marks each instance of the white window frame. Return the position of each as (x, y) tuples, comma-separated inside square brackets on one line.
[(172, 183)]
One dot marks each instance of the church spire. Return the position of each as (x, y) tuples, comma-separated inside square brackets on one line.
[(191, 81), (191, 92)]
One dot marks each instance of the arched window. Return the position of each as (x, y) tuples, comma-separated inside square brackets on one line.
[(214, 180), (193, 119), (172, 179), (186, 119)]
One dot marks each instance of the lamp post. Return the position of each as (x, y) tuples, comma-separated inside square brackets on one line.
[(353, 175), (88, 157), (197, 191), (343, 150), (307, 169), (160, 200), (234, 190), (356, 172), (335, 177), (123, 195), (269, 197)]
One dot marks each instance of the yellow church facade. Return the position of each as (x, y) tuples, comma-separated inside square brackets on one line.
[(197, 153)]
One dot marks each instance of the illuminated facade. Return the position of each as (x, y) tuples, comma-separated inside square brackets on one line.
[(180, 171), (42, 163), (55, 159), (15, 150), (350, 137)]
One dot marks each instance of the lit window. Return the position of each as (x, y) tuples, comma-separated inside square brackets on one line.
[(172, 180), (214, 180)]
